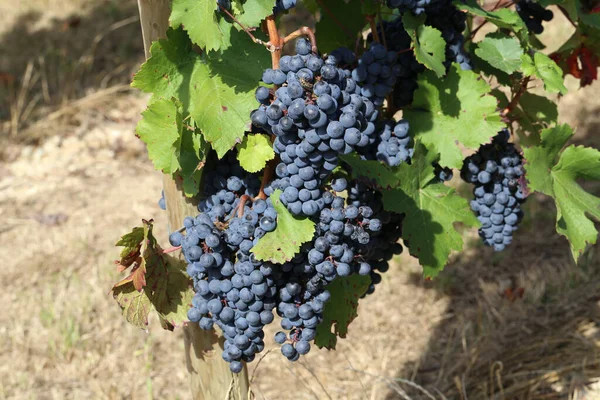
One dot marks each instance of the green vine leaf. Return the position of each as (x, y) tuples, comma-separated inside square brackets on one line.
[(375, 173), (199, 19), (430, 47), (135, 306), (339, 24), (157, 281), (503, 53), (166, 74), (534, 114), (555, 173), (222, 94), (255, 11), (217, 92), (284, 242), (545, 69), (431, 211), (254, 152), (160, 128), (341, 309), (192, 155), (503, 18), (457, 109)]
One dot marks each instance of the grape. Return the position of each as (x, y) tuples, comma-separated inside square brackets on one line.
[(493, 170), (175, 239), (162, 203)]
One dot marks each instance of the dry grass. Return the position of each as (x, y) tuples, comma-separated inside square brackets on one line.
[(57, 52), (64, 201)]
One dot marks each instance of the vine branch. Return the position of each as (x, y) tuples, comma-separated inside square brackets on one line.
[(267, 176), (515, 100), (566, 14), (383, 38), (171, 249), (269, 46), (274, 41), (304, 31), (371, 20)]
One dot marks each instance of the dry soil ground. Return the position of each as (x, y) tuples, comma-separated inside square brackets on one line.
[(85, 180)]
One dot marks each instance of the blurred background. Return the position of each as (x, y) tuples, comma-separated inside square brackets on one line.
[(522, 324)]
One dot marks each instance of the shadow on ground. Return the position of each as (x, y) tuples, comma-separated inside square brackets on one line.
[(48, 62), (523, 324)]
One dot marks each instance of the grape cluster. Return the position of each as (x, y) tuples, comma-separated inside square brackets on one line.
[(407, 68), (315, 114), (353, 236), (233, 290), (451, 22), (532, 13), (383, 245), (394, 145), (497, 172), (376, 73), (440, 14)]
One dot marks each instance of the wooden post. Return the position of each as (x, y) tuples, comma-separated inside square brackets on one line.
[(210, 377)]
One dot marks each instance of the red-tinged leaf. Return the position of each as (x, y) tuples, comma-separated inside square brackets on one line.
[(581, 62), (135, 305), (157, 281)]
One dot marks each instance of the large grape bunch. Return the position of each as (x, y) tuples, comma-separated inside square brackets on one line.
[(532, 13), (239, 293), (497, 172), (316, 113)]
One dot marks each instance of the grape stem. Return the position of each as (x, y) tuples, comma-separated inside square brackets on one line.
[(373, 25), (515, 100), (171, 249), (274, 40), (380, 20), (499, 4), (474, 31), (304, 31), (267, 176), (269, 46), (566, 14), (242, 204)]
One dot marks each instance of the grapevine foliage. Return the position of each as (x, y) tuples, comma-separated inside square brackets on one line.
[(156, 281), (305, 177), (554, 171)]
